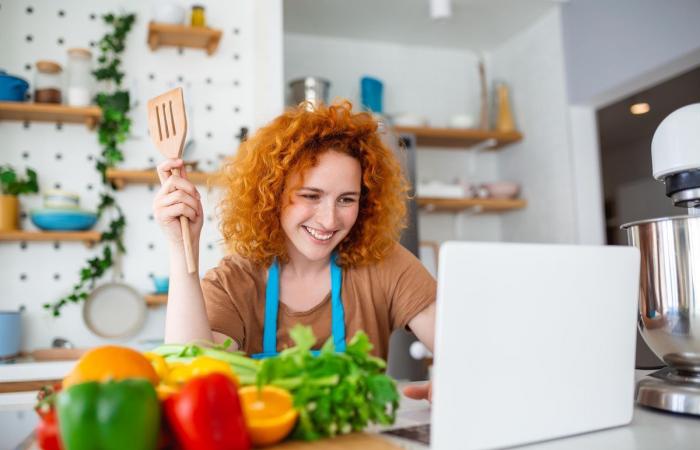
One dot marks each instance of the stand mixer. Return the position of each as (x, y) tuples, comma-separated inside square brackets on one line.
[(669, 299)]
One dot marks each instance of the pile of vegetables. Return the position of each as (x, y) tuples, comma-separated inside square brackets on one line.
[(192, 397)]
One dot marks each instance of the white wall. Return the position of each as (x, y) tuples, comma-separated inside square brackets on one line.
[(220, 91), (433, 82), (532, 63), (614, 48)]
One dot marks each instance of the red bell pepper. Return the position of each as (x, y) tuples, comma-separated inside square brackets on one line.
[(47, 433), (206, 415)]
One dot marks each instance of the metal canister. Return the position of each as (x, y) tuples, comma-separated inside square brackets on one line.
[(311, 89)]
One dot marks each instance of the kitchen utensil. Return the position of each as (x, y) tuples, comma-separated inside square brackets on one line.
[(311, 89), (167, 124), (63, 219), (669, 299), (504, 122), (114, 310), (12, 89), (57, 354), (10, 333), (371, 94)]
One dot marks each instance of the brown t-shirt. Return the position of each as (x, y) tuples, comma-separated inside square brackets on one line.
[(377, 298)]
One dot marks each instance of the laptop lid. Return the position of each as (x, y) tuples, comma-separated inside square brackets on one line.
[(533, 342)]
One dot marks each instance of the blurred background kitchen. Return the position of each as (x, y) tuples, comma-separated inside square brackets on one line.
[(517, 120)]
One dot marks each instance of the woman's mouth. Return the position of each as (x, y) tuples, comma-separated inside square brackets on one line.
[(319, 235)]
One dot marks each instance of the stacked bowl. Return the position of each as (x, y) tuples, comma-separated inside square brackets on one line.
[(61, 212)]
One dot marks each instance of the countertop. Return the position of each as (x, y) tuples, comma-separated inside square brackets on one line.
[(649, 429)]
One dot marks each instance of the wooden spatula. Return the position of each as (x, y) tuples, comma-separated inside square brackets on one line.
[(167, 124)]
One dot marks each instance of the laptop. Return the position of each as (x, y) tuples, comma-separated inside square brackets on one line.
[(533, 342)]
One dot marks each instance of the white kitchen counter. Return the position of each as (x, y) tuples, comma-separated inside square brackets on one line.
[(649, 430)]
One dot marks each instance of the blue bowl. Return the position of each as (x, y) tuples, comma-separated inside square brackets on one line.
[(63, 219), (12, 89)]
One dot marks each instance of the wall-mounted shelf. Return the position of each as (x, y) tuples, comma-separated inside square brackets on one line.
[(168, 35), (476, 204), (45, 112), (121, 178), (458, 138), (156, 299), (88, 237)]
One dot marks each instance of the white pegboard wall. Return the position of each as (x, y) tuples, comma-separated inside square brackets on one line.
[(220, 101)]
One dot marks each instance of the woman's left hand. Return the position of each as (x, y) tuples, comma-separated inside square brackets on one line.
[(419, 391)]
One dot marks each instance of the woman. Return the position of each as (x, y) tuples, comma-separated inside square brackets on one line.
[(313, 205)]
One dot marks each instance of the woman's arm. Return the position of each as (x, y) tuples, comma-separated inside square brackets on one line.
[(186, 315), (423, 326)]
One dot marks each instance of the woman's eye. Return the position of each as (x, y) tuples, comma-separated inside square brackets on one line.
[(310, 196), (347, 200)]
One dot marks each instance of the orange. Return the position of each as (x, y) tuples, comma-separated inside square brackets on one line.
[(269, 413), (111, 362)]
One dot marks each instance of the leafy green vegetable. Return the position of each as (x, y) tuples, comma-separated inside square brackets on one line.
[(335, 393)]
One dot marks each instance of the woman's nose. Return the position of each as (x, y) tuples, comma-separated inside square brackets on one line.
[(326, 215)]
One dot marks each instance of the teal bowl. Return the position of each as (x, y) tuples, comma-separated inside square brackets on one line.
[(63, 219)]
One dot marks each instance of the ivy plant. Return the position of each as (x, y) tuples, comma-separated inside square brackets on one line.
[(113, 131), (13, 184)]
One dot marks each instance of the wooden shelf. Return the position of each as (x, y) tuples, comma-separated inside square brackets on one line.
[(477, 204), (45, 112), (458, 138), (121, 178), (168, 35), (89, 237), (156, 299)]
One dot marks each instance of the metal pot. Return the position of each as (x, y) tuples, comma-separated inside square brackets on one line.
[(669, 295), (10, 333), (311, 89)]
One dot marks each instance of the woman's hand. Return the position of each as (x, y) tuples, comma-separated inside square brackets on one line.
[(177, 197), (419, 391)]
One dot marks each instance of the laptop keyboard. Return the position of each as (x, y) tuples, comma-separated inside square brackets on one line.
[(419, 433)]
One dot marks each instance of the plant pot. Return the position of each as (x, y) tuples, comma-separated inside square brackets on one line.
[(9, 212)]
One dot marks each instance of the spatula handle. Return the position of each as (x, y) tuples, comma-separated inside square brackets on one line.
[(186, 239)]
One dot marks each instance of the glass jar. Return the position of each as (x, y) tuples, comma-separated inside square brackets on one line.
[(79, 73), (47, 82), (198, 19)]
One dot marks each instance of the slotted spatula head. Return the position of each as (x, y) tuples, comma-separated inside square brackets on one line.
[(167, 122)]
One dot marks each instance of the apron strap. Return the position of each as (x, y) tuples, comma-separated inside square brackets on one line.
[(337, 312), (272, 295)]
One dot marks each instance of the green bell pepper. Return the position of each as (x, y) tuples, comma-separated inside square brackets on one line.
[(114, 415)]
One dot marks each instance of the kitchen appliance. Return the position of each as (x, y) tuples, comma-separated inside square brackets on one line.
[(669, 301), (311, 89), (12, 89)]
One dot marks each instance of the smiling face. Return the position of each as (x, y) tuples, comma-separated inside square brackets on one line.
[(324, 206)]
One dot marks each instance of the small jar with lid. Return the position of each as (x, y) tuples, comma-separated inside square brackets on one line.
[(79, 73), (198, 18), (47, 82)]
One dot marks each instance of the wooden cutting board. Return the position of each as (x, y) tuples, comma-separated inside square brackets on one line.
[(362, 441)]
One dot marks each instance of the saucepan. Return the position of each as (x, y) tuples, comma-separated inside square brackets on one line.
[(669, 295)]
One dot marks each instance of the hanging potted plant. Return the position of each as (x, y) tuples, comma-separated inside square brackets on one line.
[(11, 186)]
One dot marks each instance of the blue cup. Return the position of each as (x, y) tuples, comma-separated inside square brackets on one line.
[(161, 284), (371, 94)]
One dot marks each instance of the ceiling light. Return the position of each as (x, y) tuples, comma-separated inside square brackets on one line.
[(440, 9), (640, 108)]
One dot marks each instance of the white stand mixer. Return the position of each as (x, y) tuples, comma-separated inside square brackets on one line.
[(669, 301)]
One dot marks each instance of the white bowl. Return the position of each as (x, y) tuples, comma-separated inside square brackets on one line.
[(502, 189), (409, 120), (168, 11), (461, 121)]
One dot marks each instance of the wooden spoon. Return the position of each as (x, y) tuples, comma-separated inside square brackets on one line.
[(167, 124)]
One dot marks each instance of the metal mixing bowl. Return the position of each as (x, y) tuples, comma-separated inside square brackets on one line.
[(669, 295)]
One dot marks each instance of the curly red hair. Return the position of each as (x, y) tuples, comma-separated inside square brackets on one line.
[(254, 181)]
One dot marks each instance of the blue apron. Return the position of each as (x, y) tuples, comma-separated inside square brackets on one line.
[(272, 300)]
